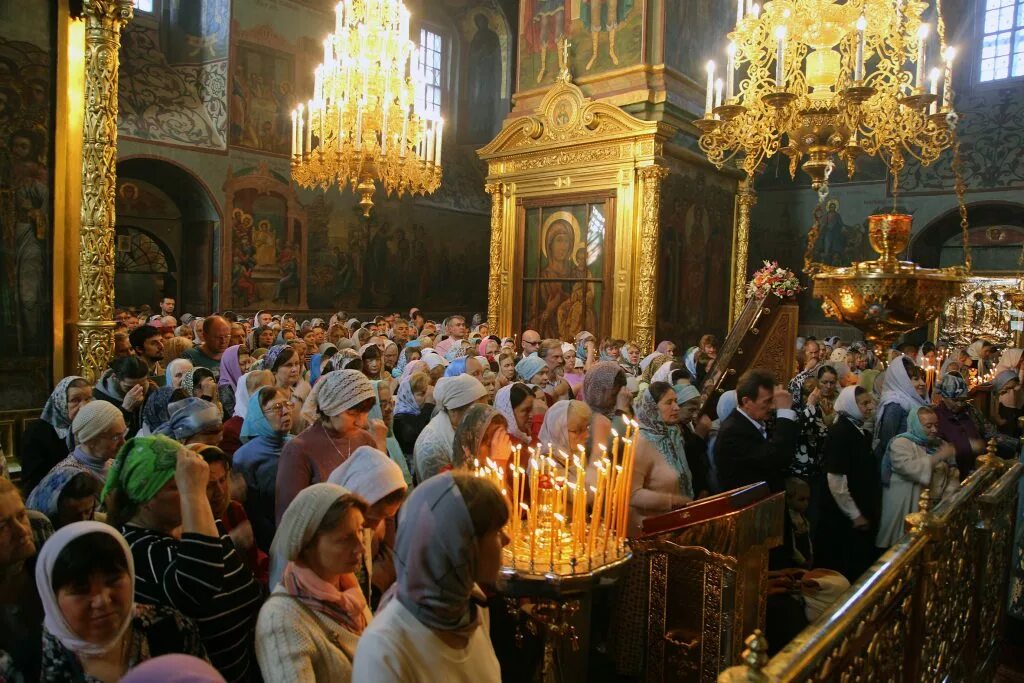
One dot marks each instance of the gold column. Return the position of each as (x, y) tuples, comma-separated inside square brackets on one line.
[(650, 205), (746, 197), (496, 190), (104, 20)]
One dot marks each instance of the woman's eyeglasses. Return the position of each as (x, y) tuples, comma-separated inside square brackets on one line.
[(281, 408)]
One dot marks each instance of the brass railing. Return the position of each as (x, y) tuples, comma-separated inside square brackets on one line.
[(930, 609)]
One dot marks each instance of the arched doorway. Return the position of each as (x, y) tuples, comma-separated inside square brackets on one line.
[(168, 229), (996, 233)]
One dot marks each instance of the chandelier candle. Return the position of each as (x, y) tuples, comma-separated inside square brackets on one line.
[(731, 50), (947, 81), (780, 58), (858, 72), (708, 104), (933, 89), (922, 45)]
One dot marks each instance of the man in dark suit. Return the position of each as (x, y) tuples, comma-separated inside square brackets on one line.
[(744, 452)]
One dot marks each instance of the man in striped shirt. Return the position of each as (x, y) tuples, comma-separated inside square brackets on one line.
[(183, 557)]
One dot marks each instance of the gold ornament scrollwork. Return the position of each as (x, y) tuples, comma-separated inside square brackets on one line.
[(104, 20), (650, 199), (496, 190), (746, 198)]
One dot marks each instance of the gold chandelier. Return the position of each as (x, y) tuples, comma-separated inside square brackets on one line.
[(365, 121), (820, 80)]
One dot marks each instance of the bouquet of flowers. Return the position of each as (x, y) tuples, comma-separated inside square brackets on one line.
[(773, 279)]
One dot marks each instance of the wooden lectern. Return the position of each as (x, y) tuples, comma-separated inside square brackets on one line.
[(707, 565)]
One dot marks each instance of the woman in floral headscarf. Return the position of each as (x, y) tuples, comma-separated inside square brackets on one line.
[(48, 440)]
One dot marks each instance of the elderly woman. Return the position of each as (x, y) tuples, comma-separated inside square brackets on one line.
[(414, 406), (383, 410), (233, 364), (125, 384), (433, 450), (482, 435), (176, 371), (914, 459), (506, 361), (66, 495), (94, 630), (533, 370), (450, 536), (566, 427), (48, 440), (247, 386), (956, 425), (696, 430), (99, 431), (193, 420), (264, 434), (376, 479), (605, 391), (156, 496), (662, 480), (342, 400), (1006, 386), (900, 396), (309, 628)]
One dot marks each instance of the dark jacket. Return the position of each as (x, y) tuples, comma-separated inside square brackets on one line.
[(40, 450), (743, 456)]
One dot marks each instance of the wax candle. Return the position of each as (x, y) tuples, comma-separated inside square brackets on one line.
[(709, 95), (437, 151), (729, 73), (947, 81), (933, 88), (780, 57), (295, 128), (739, 11), (922, 44), (756, 10), (862, 25), (309, 127), (718, 92)]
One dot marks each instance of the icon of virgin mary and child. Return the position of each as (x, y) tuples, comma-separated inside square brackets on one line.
[(565, 302)]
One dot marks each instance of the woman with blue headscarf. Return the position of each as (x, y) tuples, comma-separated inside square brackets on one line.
[(264, 434), (383, 409), (915, 459)]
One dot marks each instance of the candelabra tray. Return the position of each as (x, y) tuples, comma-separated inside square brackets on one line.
[(523, 584)]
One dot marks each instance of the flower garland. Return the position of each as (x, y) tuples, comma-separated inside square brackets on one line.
[(773, 279)]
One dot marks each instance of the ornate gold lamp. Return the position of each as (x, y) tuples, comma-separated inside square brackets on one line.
[(886, 297), (823, 81), (365, 121)]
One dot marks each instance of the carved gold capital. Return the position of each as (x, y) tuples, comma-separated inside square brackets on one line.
[(104, 20), (496, 190), (650, 178), (746, 198)]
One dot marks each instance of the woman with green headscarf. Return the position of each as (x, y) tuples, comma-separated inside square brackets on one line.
[(384, 409), (156, 497), (914, 459)]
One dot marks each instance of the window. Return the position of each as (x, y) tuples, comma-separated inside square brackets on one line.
[(1002, 43), (428, 100), (143, 5)]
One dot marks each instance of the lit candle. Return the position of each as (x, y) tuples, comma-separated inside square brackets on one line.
[(359, 123), (739, 11), (756, 10), (922, 44), (385, 106), (339, 17), (709, 95), (780, 58), (858, 73), (947, 81), (718, 92), (298, 142), (437, 152), (729, 72), (309, 127), (933, 88), (402, 140), (295, 128)]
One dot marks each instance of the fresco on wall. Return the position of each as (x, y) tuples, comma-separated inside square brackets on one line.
[(695, 251), (991, 130), (695, 32), (486, 51), (262, 98), (604, 35), (404, 254), (263, 250), (26, 226), (462, 182), (173, 83)]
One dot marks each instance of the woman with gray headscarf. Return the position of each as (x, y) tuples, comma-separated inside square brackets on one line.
[(431, 625), (482, 435), (341, 400)]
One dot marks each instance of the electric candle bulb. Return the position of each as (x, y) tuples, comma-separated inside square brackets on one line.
[(862, 25), (756, 10), (922, 37), (729, 72), (718, 92), (709, 94), (780, 57), (933, 88), (947, 81)]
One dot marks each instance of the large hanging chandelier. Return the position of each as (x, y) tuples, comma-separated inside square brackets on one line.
[(365, 122), (820, 80)]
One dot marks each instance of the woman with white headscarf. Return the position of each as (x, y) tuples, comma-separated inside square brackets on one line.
[(342, 400), (852, 508), (309, 627), (431, 625), (374, 477), (433, 449), (93, 629), (566, 427), (900, 395)]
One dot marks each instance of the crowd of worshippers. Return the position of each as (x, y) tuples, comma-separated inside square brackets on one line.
[(248, 499)]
